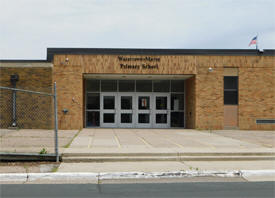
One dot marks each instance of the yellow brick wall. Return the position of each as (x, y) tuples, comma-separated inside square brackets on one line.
[(204, 91), (70, 95), (190, 102), (33, 111)]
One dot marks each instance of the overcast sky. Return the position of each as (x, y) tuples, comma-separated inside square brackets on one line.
[(28, 27)]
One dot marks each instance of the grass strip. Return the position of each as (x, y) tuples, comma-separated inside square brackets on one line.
[(69, 143)]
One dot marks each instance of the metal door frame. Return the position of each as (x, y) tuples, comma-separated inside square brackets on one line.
[(161, 111), (149, 111), (131, 111), (103, 111)]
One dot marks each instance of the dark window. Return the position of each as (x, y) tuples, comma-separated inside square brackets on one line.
[(126, 85), (144, 86), (92, 118), (230, 82), (109, 118), (92, 85), (230, 90), (126, 118), (93, 101), (161, 85), (177, 86), (177, 119), (109, 85)]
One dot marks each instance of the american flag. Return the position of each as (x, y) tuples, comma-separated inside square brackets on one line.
[(253, 41)]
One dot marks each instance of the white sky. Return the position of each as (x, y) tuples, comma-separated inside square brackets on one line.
[(28, 27)]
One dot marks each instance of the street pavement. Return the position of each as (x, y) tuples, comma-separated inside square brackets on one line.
[(194, 189)]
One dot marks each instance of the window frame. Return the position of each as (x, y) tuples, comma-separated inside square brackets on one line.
[(231, 90)]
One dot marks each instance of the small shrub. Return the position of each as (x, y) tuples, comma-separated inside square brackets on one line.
[(43, 151)]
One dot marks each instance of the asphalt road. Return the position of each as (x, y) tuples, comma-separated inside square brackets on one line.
[(198, 189)]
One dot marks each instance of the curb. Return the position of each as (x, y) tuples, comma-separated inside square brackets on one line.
[(26, 157), (24, 177)]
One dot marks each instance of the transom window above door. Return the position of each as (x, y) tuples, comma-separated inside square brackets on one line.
[(162, 86)]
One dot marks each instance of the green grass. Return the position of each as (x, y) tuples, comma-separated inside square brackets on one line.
[(55, 169), (43, 151), (69, 143)]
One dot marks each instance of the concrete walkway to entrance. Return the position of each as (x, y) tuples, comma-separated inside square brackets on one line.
[(170, 141)]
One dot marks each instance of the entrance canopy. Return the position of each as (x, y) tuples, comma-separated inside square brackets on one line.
[(136, 77)]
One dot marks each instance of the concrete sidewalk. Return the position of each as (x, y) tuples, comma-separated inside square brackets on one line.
[(139, 142), (126, 143), (168, 142), (33, 140), (177, 149)]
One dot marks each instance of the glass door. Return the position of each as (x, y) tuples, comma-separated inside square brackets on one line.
[(108, 116), (126, 107), (161, 114), (144, 110)]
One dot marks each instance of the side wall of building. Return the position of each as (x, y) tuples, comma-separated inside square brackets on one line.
[(256, 91), (257, 94), (32, 110)]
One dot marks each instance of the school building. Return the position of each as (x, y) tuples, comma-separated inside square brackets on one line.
[(144, 88)]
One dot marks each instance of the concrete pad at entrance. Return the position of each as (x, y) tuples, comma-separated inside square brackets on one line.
[(263, 138), (161, 141)]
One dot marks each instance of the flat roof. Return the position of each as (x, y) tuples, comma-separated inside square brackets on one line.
[(139, 51)]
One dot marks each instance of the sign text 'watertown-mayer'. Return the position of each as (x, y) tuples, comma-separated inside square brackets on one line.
[(138, 65)]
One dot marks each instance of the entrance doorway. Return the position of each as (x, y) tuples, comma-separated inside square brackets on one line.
[(134, 103), (135, 110)]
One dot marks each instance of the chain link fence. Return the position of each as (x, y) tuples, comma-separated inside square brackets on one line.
[(23, 110)]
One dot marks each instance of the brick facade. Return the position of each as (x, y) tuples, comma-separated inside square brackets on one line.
[(204, 89)]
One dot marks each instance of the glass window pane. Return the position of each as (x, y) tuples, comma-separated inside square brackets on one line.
[(92, 118), (126, 118), (109, 102), (109, 85), (126, 85), (143, 118), (143, 102), (161, 102), (177, 102), (109, 118), (230, 97), (231, 82), (92, 85), (161, 118), (144, 86), (177, 119), (177, 85), (93, 101), (161, 85), (126, 102)]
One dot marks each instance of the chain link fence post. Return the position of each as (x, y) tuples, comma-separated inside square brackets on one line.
[(56, 123)]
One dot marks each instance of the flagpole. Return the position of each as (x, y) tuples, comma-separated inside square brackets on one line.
[(257, 42)]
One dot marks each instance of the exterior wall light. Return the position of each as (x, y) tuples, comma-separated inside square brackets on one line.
[(66, 59), (210, 69), (65, 111)]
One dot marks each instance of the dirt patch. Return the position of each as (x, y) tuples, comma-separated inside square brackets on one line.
[(28, 167)]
